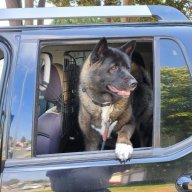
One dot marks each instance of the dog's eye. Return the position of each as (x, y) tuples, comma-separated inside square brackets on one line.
[(114, 68)]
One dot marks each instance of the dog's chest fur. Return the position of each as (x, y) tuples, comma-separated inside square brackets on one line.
[(105, 120)]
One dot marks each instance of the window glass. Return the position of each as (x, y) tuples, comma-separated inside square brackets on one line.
[(1, 63), (176, 94), (1, 79)]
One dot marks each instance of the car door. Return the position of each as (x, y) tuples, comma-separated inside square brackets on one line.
[(154, 168), (3, 67)]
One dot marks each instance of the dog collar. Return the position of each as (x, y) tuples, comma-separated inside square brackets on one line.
[(95, 102)]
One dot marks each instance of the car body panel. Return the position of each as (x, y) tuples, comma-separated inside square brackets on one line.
[(98, 175), (153, 168)]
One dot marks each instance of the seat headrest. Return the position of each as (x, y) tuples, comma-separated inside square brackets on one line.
[(54, 90), (46, 60)]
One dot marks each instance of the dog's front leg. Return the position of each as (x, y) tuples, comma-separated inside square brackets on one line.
[(91, 137), (124, 147)]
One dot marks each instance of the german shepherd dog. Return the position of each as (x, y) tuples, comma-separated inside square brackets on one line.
[(106, 93)]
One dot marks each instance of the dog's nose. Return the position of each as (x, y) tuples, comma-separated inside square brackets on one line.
[(133, 84)]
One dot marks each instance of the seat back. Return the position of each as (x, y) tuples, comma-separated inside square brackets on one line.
[(50, 123)]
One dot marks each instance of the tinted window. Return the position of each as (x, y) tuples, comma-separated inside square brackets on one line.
[(176, 94), (1, 63), (1, 82)]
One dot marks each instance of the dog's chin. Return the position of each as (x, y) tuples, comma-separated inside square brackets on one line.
[(117, 92)]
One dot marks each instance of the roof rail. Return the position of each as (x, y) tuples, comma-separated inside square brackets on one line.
[(167, 13), (161, 12)]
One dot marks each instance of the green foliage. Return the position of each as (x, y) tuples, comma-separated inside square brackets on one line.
[(65, 3), (183, 5), (176, 105), (77, 21), (88, 2), (111, 2), (149, 2), (61, 3)]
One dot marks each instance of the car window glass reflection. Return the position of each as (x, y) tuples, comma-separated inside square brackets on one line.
[(176, 94), (1, 63)]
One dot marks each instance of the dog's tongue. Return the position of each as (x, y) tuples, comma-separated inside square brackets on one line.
[(124, 93), (119, 92)]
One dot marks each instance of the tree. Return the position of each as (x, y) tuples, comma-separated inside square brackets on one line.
[(18, 4), (29, 4), (126, 2), (176, 107), (112, 2), (109, 3), (88, 2), (184, 6), (41, 4), (62, 3), (23, 139), (14, 4), (66, 3)]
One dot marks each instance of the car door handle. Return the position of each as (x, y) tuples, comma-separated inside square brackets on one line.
[(184, 183)]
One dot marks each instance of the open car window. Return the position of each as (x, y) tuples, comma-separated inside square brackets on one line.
[(59, 103)]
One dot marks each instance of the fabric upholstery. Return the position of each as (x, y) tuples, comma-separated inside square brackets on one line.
[(50, 123), (49, 132)]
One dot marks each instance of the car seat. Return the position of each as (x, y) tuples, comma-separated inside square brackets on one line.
[(50, 123)]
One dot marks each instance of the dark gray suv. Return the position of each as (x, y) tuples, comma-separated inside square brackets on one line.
[(42, 147)]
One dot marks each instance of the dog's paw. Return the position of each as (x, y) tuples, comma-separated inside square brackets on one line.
[(123, 151)]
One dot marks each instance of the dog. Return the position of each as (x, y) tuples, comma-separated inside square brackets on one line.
[(142, 102), (105, 92)]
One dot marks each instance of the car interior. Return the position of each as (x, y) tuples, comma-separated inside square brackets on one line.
[(59, 68)]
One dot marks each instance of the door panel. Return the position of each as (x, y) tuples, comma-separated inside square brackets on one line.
[(52, 173), (96, 176)]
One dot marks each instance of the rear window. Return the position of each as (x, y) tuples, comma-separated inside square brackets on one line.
[(176, 94)]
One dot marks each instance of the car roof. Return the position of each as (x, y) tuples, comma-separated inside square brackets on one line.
[(165, 15)]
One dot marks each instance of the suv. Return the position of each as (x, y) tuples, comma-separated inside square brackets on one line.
[(41, 144)]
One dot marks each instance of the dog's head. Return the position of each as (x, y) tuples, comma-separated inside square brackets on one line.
[(110, 68)]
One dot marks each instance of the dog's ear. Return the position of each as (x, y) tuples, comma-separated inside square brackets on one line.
[(99, 50), (128, 48)]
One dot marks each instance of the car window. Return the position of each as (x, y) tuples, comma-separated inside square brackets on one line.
[(176, 94), (1, 63), (58, 110), (22, 107), (1, 82)]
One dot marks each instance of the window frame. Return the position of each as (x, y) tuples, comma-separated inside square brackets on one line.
[(4, 78), (62, 42), (140, 155), (4, 49)]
